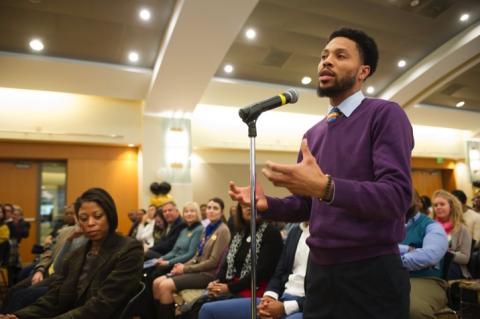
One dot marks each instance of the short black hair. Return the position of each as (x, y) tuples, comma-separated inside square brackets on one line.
[(365, 44), (426, 204), (460, 195), (239, 222), (104, 200), (159, 213)]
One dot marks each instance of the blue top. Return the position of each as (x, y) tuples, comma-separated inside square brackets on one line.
[(428, 243), (186, 245), (368, 155)]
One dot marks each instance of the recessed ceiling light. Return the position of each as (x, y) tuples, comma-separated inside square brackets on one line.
[(133, 56), (414, 3), (306, 80), (131, 145), (464, 17), (401, 63), (251, 34), (36, 45), (460, 104), (370, 90), (228, 68), (144, 14)]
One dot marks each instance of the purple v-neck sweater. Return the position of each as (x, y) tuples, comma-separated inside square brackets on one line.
[(368, 156)]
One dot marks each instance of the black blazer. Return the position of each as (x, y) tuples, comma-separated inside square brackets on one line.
[(285, 265), (167, 241), (113, 279)]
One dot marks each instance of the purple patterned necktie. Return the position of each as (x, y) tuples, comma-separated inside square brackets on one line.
[(334, 114)]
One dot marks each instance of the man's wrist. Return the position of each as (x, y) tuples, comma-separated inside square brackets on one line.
[(328, 190)]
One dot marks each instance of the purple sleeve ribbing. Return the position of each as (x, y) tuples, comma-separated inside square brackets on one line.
[(292, 209)]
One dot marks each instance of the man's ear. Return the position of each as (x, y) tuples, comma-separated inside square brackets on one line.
[(364, 72)]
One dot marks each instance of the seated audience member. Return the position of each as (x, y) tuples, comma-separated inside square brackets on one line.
[(133, 217), (476, 202), (4, 230), (198, 271), (426, 207), (422, 253), (285, 292), (145, 228), (234, 277), (13, 264), (68, 220), (98, 278), (160, 226), (4, 236), (203, 213), (184, 249), (27, 291), (231, 219), (22, 227), (186, 245), (8, 211), (175, 225), (447, 210), (471, 218)]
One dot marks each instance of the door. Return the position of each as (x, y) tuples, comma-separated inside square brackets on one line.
[(19, 185)]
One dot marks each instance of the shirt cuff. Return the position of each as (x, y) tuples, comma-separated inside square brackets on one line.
[(403, 249), (272, 294), (290, 307)]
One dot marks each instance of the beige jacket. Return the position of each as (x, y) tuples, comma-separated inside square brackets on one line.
[(460, 246), (472, 221), (213, 251)]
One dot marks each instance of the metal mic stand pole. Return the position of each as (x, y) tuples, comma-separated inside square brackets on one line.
[(252, 133)]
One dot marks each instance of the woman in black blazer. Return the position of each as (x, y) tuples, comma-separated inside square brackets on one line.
[(99, 278)]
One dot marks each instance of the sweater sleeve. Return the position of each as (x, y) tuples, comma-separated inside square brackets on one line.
[(389, 194), (461, 246), (292, 209), (168, 241), (268, 256), (192, 248)]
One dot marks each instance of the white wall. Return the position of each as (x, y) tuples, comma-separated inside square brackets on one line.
[(54, 116)]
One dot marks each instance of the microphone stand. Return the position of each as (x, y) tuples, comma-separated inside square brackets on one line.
[(252, 134)]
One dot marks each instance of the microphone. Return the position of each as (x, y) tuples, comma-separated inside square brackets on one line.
[(252, 112)]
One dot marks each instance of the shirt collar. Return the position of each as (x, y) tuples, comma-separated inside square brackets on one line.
[(350, 103), (304, 227), (413, 219)]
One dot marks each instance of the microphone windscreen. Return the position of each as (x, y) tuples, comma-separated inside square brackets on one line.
[(293, 94)]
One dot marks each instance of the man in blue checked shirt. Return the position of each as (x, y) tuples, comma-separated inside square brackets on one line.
[(422, 254)]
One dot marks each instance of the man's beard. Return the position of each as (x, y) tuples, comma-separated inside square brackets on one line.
[(339, 86)]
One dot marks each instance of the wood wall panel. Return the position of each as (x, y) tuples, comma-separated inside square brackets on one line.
[(426, 182), (111, 167), (20, 186)]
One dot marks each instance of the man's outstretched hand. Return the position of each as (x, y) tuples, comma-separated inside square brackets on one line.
[(304, 178), (242, 195)]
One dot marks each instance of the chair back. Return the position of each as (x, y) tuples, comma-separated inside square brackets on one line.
[(474, 262), (126, 313), (447, 261), (4, 253)]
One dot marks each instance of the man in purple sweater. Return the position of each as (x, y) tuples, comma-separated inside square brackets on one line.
[(352, 182)]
